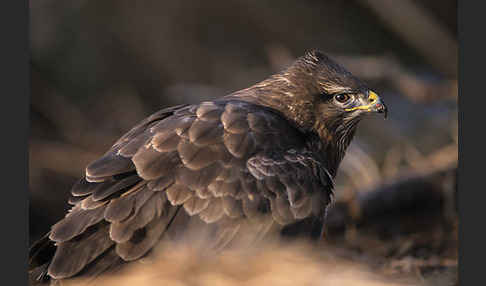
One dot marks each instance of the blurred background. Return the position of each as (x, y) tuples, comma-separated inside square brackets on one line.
[(99, 67)]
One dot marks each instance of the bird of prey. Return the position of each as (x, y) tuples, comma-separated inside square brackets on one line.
[(264, 156)]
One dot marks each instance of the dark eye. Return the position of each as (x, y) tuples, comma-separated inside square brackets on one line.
[(342, 98)]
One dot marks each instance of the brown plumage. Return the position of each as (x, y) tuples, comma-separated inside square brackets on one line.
[(262, 157)]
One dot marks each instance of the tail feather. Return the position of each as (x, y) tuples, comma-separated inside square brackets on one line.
[(106, 264), (38, 275), (41, 252), (40, 255)]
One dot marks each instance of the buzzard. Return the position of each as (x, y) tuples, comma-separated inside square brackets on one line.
[(259, 159)]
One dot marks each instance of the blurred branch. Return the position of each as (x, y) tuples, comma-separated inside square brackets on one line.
[(411, 186), (413, 216), (378, 68), (412, 191), (387, 68), (420, 30)]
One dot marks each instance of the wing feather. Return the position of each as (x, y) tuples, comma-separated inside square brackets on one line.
[(109, 165), (72, 256), (213, 212), (76, 222), (226, 163), (178, 194), (123, 231), (128, 204), (145, 238), (195, 205)]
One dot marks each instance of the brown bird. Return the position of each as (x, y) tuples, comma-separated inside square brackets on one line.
[(258, 159)]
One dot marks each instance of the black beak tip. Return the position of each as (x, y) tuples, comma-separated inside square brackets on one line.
[(381, 108)]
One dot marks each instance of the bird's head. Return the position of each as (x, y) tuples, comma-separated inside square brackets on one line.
[(334, 90), (319, 94)]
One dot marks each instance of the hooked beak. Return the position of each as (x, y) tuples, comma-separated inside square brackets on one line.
[(373, 104)]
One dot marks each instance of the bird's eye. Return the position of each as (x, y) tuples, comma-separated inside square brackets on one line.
[(342, 98)]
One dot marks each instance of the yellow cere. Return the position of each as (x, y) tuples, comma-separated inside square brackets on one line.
[(372, 98)]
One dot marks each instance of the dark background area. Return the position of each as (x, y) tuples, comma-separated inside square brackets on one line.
[(99, 67)]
